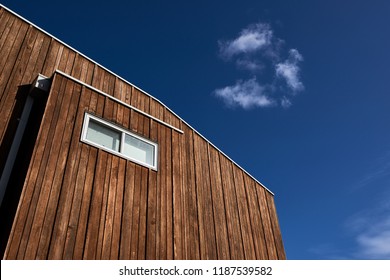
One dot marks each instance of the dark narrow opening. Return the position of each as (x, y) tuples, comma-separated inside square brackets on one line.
[(14, 188)]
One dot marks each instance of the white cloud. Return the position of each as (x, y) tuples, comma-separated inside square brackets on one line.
[(251, 39), (380, 170), (285, 102), (258, 51), (375, 245), (369, 228), (246, 94), (368, 231), (249, 64), (289, 70), (328, 251), (371, 231)]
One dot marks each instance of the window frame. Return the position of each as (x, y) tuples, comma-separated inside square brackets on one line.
[(123, 132)]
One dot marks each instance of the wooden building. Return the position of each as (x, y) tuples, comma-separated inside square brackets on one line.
[(95, 168)]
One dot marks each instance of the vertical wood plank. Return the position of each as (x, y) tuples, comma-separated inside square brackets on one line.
[(128, 194), (221, 233), (6, 21), (52, 57), (275, 226), (269, 237), (97, 78), (75, 207), (98, 179), (43, 55), (110, 187), (20, 70), (136, 213), (162, 194), (255, 217), (82, 223), (104, 204), (12, 74), (86, 189), (178, 237), (169, 195), (205, 204), (68, 65), (10, 43), (151, 230), (184, 198), (110, 211), (127, 218), (134, 115), (232, 216), (160, 183), (66, 60), (192, 222), (122, 119), (36, 58), (142, 214), (246, 230), (91, 241), (116, 235)]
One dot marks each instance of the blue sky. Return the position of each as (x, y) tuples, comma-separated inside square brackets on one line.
[(296, 92)]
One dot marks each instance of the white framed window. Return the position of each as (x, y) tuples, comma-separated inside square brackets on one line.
[(114, 139)]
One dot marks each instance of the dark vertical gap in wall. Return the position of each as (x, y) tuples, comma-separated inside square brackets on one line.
[(5, 146), (23, 158)]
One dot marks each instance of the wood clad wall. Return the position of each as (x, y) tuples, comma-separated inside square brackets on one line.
[(79, 202)]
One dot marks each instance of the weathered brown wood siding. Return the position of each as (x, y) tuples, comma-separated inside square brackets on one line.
[(79, 202)]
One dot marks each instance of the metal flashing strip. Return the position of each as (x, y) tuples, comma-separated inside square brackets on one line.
[(118, 101), (42, 83), (129, 83)]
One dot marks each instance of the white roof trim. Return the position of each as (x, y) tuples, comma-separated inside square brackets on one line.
[(118, 100)]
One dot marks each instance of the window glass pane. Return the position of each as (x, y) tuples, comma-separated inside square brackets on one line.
[(138, 150), (103, 135)]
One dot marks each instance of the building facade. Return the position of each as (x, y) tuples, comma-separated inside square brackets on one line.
[(95, 168)]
